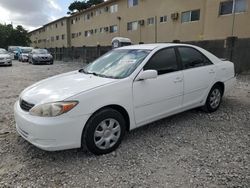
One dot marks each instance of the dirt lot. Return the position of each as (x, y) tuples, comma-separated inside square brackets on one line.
[(192, 149)]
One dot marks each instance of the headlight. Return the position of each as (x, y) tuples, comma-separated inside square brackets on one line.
[(53, 109)]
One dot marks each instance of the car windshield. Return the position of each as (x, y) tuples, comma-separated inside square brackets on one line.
[(12, 49), (40, 51), (117, 64), (2, 51), (26, 50)]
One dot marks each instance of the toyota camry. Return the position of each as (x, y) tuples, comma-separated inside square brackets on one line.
[(124, 89)]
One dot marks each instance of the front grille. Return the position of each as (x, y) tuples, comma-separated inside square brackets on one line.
[(25, 105)]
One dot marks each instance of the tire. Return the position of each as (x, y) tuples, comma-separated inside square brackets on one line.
[(101, 138), (214, 99)]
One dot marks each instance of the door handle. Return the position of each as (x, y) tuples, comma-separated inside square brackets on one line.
[(211, 71), (178, 79)]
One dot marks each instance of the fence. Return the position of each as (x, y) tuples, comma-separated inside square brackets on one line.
[(232, 48), (82, 54)]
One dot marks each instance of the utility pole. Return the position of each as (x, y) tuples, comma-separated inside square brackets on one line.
[(156, 29), (234, 6)]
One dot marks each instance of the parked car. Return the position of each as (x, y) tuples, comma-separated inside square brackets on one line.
[(23, 53), (40, 56), (14, 51), (5, 57), (124, 89)]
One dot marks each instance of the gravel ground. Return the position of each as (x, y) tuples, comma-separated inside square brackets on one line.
[(191, 149)]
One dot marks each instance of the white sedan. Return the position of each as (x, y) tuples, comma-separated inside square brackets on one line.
[(5, 58), (124, 89)]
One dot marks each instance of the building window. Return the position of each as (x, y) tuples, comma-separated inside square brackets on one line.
[(190, 16), (52, 39), (87, 17), (97, 12), (163, 19), (63, 36), (57, 37), (88, 33), (73, 35), (61, 23), (132, 3), (106, 29), (151, 21), (101, 30), (113, 8), (132, 26), (56, 25), (233, 6), (113, 29)]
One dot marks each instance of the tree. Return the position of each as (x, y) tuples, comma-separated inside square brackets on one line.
[(82, 5), (77, 5), (10, 36)]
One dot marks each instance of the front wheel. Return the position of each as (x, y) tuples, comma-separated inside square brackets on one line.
[(214, 99), (104, 131)]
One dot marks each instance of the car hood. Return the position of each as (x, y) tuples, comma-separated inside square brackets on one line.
[(4, 56), (42, 55), (61, 87), (24, 54)]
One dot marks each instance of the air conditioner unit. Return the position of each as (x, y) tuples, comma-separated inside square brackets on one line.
[(175, 16), (142, 22)]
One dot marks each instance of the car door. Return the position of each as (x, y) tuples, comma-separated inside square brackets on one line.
[(199, 74), (155, 98)]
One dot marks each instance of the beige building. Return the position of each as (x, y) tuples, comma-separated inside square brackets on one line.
[(52, 35), (147, 21)]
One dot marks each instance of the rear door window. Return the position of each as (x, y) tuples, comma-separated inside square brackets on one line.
[(192, 58)]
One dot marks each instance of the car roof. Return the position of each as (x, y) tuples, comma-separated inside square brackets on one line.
[(24, 48), (153, 46), (39, 49)]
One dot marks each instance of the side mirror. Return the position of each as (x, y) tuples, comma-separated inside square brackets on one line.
[(148, 74)]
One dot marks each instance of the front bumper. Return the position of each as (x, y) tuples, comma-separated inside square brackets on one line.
[(24, 58), (51, 134), (42, 60), (6, 62)]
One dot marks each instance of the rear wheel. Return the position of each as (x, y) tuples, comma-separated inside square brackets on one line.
[(104, 131), (214, 99)]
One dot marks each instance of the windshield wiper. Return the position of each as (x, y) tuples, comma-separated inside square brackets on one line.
[(93, 73), (96, 74)]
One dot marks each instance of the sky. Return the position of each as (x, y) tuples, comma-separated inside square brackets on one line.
[(32, 14)]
